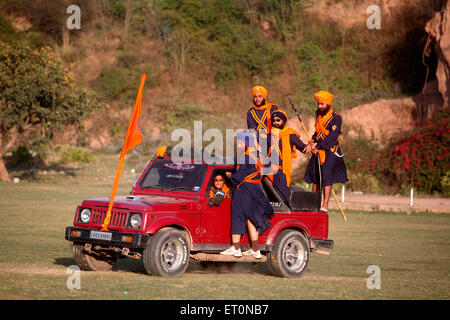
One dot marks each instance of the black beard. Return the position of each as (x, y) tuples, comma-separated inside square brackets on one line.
[(325, 111), (278, 126), (261, 104)]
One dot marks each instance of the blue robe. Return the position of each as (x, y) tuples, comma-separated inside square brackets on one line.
[(249, 201), (251, 121)]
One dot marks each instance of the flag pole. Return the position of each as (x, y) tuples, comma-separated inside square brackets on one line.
[(113, 194), (133, 138)]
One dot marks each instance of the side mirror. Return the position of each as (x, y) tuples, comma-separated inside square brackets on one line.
[(134, 184), (217, 198)]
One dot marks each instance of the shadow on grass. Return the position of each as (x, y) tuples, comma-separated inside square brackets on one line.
[(36, 169), (37, 173), (207, 267), (125, 264), (130, 265), (66, 262), (137, 267)]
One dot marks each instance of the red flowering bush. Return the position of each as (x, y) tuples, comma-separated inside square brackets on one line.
[(418, 158)]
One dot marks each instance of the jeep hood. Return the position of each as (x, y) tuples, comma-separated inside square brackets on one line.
[(143, 203)]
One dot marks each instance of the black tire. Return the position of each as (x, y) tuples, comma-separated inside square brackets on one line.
[(90, 262), (290, 254), (167, 254)]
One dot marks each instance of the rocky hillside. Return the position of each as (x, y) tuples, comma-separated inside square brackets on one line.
[(400, 71)]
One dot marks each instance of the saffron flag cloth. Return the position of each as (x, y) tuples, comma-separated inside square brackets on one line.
[(134, 133), (132, 139)]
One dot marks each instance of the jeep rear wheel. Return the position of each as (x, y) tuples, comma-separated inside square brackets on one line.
[(167, 254), (91, 262), (290, 254)]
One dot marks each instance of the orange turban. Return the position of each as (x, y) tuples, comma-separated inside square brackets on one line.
[(259, 89), (324, 97), (161, 152)]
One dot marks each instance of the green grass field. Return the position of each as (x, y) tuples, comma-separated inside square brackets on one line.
[(412, 252)]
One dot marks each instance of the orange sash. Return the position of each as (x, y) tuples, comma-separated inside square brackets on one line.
[(266, 116), (321, 132), (287, 154), (258, 165), (225, 189)]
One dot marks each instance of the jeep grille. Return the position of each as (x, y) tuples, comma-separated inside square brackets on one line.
[(118, 218)]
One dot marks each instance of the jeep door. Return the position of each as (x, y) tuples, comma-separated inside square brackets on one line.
[(216, 219), (216, 223)]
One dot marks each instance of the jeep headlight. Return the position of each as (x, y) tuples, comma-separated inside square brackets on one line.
[(85, 215), (135, 220)]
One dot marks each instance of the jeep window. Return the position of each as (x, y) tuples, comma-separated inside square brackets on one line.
[(164, 174)]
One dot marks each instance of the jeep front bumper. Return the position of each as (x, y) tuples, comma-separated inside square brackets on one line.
[(111, 238)]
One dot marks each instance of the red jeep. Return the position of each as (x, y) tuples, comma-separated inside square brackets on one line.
[(168, 220)]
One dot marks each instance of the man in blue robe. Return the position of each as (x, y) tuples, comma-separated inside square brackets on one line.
[(326, 146), (258, 116), (250, 207)]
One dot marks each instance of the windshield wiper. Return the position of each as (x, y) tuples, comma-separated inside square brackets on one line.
[(180, 187), (156, 186)]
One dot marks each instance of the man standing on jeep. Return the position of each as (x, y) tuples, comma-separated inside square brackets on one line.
[(258, 116), (325, 145), (250, 207), (284, 141)]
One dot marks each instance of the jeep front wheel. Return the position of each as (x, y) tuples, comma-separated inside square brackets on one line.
[(290, 254), (167, 254), (91, 262)]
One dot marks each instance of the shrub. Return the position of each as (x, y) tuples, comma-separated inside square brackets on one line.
[(7, 32), (445, 183), (76, 154), (358, 150), (128, 59), (115, 81), (365, 182), (21, 156)]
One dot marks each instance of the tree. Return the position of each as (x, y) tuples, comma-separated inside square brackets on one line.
[(36, 91)]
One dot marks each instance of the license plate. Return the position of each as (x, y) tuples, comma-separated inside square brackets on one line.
[(101, 235)]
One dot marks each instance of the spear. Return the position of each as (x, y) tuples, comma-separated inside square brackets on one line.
[(298, 117)]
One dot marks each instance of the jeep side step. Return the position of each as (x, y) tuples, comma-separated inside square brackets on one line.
[(202, 256)]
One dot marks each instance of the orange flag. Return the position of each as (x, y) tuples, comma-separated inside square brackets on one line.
[(132, 139), (134, 133)]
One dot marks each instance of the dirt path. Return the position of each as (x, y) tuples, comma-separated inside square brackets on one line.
[(368, 202)]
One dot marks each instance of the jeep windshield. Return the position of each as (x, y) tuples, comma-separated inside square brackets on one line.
[(166, 175)]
